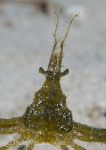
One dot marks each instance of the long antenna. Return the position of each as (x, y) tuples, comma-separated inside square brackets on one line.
[(66, 34), (55, 31), (68, 28), (55, 37)]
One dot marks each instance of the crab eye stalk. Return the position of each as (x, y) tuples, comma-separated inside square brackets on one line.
[(42, 71), (65, 72)]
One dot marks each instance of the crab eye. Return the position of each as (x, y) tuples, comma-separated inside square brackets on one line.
[(42, 71), (65, 72)]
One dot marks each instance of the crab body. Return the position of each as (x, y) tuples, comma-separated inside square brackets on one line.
[(49, 112)]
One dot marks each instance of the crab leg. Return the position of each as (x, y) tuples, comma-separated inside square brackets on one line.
[(31, 145), (76, 147), (63, 147), (10, 126), (5, 123), (89, 134), (9, 130)]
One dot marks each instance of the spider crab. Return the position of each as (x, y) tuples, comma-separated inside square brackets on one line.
[(48, 119)]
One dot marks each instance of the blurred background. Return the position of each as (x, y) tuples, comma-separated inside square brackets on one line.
[(26, 29)]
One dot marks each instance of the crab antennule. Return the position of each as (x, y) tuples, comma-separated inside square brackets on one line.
[(68, 28), (55, 41)]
